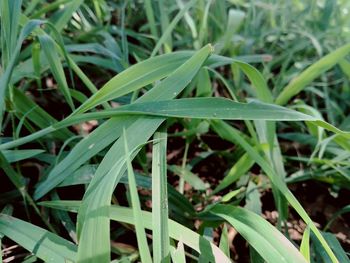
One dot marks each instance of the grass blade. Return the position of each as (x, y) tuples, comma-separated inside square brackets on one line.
[(266, 239), (312, 72), (125, 82), (208, 108), (241, 167), (150, 18), (6, 76), (178, 254), (230, 134), (42, 243), (49, 48), (160, 231), (18, 155), (224, 242), (166, 34), (305, 244), (136, 207), (176, 230)]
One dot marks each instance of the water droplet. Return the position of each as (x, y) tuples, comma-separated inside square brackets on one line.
[(92, 145), (214, 114)]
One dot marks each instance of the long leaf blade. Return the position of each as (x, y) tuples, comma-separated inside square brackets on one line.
[(44, 244)]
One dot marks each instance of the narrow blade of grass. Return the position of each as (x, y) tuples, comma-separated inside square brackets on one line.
[(305, 244), (42, 243), (312, 72), (147, 72), (266, 239), (241, 167), (178, 254), (65, 15), (6, 76), (18, 155), (166, 32), (48, 46), (224, 243), (150, 18), (136, 207), (230, 134), (176, 230), (160, 231)]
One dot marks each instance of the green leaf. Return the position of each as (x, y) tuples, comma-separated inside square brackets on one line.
[(18, 155), (42, 243), (305, 244), (265, 238), (160, 212), (224, 243), (64, 15), (189, 177), (199, 108), (146, 71), (178, 254), (166, 34), (23, 104), (241, 167), (333, 242), (312, 72), (136, 208), (176, 230), (6, 76), (49, 48), (227, 132)]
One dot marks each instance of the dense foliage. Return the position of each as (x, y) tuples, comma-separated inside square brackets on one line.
[(127, 137)]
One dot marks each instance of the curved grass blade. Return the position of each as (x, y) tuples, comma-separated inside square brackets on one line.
[(95, 142), (136, 207), (345, 209), (192, 108), (241, 167), (42, 243), (312, 72), (265, 238), (125, 215), (227, 132), (125, 82), (22, 105), (6, 76), (61, 18), (164, 38), (49, 48), (178, 204), (203, 108)]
